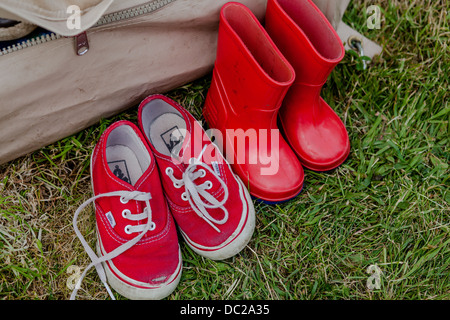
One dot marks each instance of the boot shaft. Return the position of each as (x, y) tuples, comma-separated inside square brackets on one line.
[(305, 37), (251, 76)]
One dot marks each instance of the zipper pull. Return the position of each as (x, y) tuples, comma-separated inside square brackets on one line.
[(82, 43)]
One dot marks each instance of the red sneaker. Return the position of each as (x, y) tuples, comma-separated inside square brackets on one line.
[(210, 204), (138, 250)]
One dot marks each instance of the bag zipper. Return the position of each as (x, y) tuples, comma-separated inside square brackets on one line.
[(81, 43), (81, 40)]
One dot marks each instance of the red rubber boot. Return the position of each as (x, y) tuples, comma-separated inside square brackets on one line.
[(250, 80), (312, 46)]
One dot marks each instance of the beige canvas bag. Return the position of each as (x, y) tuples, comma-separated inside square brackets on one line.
[(136, 47), (132, 48)]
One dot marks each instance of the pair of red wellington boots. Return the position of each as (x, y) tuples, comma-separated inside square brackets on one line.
[(147, 180), (274, 75)]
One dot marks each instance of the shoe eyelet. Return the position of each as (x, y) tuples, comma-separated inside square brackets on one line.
[(152, 226), (184, 196), (123, 200), (202, 172), (176, 185), (169, 171), (125, 212), (209, 185), (128, 229)]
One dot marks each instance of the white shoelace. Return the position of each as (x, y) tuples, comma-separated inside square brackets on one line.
[(193, 191), (125, 196)]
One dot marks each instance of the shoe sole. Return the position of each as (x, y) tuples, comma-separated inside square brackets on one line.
[(238, 240)]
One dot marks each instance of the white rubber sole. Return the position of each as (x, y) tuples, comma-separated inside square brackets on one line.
[(240, 237)]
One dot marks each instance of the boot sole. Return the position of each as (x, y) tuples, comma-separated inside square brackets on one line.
[(273, 202)]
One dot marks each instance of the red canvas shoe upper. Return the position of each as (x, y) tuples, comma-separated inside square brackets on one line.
[(132, 214), (209, 203)]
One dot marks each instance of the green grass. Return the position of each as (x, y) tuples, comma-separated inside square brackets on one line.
[(387, 205)]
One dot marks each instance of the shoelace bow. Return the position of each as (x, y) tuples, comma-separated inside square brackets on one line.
[(125, 196), (194, 193)]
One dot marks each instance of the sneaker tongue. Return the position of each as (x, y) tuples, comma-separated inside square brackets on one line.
[(197, 147), (206, 153)]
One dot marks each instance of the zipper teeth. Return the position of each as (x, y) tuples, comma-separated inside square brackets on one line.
[(29, 43), (109, 18), (132, 12)]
